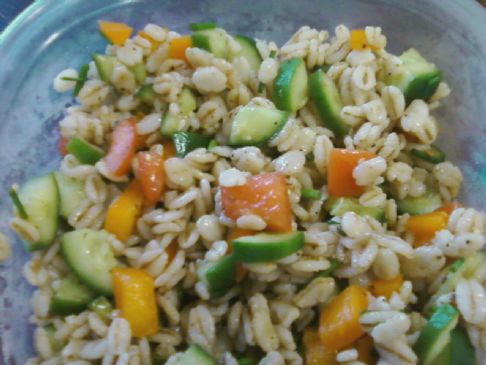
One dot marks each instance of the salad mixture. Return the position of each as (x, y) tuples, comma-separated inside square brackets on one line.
[(223, 200)]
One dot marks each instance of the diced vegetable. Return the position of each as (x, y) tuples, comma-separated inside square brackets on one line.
[(423, 227), (339, 206), (169, 149), (89, 256), (104, 65), (312, 194), (134, 291), (124, 211), (185, 142), (265, 195), (234, 233), (84, 151), (246, 360), (328, 272), (366, 350), (417, 78), (426, 203), (254, 125), (40, 199), (71, 193), (449, 207), (432, 154), (314, 350), (386, 287), (82, 76), (326, 99), (70, 297), (178, 46), (146, 94), (101, 306), (212, 40), (115, 33), (151, 175), (218, 276), (358, 41), (62, 146), (212, 143), (175, 123), (340, 180), (195, 355), (266, 247), (56, 343), (140, 72), (153, 42), (339, 323), (290, 85), (122, 148), (17, 203), (436, 335), (249, 51), (462, 351), (202, 26)]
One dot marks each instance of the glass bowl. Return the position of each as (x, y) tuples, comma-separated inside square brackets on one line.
[(51, 35)]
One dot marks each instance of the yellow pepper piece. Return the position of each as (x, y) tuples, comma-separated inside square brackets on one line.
[(423, 227), (385, 288), (135, 299), (315, 352), (153, 42), (358, 41), (122, 214), (115, 33)]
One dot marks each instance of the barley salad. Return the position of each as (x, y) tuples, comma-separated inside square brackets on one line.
[(223, 200)]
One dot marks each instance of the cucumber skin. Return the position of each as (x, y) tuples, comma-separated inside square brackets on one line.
[(202, 39), (426, 203), (249, 45), (66, 306), (282, 86), (146, 94), (219, 276), (67, 201), (84, 151), (422, 87), (185, 142), (195, 355), (462, 351)]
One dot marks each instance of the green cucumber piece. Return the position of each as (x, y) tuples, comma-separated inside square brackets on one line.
[(140, 72), (84, 151), (40, 198), (89, 255), (56, 344), (187, 103), (185, 142), (290, 86), (254, 125), (462, 351), (202, 26), (432, 154), (338, 206), (426, 203), (219, 275), (71, 193), (195, 355), (146, 94), (249, 50), (265, 247), (459, 269), (328, 272), (82, 76), (105, 65), (417, 78), (436, 335), (70, 297), (101, 306), (212, 143), (212, 40), (312, 194), (17, 203), (327, 101)]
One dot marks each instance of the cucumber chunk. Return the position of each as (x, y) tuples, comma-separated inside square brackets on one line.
[(431, 154), (462, 351), (70, 297), (248, 50), (416, 77), (185, 142), (327, 101), (17, 203), (219, 275), (89, 255), (202, 26), (176, 123), (71, 193), (312, 194), (436, 335), (104, 65), (146, 94), (290, 85), (82, 77), (84, 151), (339, 206), (328, 272), (140, 72), (253, 125), (425, 203), (101, 306), (55, 343), (265, 247), (195, 355), (40, 198), (212, 40)]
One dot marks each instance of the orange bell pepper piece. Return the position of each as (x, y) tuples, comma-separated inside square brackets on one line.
[(265, 195), (135, 299), (169, 149), (314, 350), (178, 46), (423, 227), (339, 323), (450, 207), (340, 180), (358, 41), (115, 33), (385, 288), (123, 146), (124, 211), (151, 175), (62, 146), (366, 351), (234, 233)]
